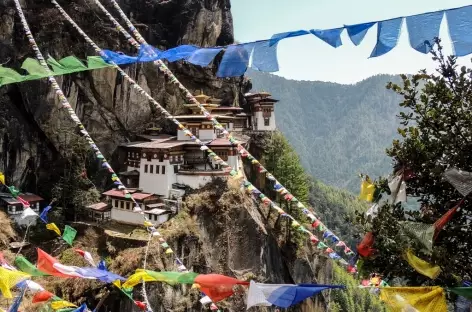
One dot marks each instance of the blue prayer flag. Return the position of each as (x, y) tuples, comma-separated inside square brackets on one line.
[(203, 57), (44, 214), (387, 36), (264, 57), (357, 32), (330, 36), (235, 60), (460, 27), (422, 30), (277, 37)]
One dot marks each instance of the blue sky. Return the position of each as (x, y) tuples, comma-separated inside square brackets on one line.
[(308, 58)]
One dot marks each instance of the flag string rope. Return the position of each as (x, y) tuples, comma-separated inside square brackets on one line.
[(211, 154), (244, 152), (189, 96)]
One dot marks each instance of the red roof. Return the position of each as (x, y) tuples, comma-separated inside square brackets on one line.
[(120, 194), (222, 142), (31, 197), (99, 206)]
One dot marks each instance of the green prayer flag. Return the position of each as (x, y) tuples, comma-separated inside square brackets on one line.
[(8, 75), (34, 69), (462, 291), (173, 278), (322, 245), (57, 68), (72, 64), (25, 266), (95, 62), (69, 234), (422, 232)]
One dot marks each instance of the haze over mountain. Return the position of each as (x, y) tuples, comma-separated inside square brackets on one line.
[(338, 130)]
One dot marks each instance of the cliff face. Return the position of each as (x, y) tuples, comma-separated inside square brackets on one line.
[(33, 129)]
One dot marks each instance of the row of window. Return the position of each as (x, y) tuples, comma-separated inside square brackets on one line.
[(151, 169), (122, 204), (19, 209)]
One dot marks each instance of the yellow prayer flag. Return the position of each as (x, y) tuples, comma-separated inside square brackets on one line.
[(117, 283), (169, 251), (195, 286), (61, 304), (137, 278), (148, 224), (2, 178), (421, 266), (8, 279), (424, 299), (367, 190), (53, 227)]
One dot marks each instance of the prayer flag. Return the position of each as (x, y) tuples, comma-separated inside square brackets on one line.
[(48, 264), (216, 286), (87, 256), (53, 227), (8, 279), (25, 266), (365, 247), (28, 213), (17, 302), (282, 295), (69, 234), (421, 266), (44, 214), (367, 190), (42, 296), (424, 299), (465, 292), (61, 304), (82, 308), (2, 178)]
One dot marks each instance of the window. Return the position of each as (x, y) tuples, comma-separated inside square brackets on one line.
[(115, 203), (266, 122), (122, 204), (145, 168), (149, 157), (11, 209), (161, 158), (151, 169), (176, 169), (127, 206), (163, 169), (157, 169)]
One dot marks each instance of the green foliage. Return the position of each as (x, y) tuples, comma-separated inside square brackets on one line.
[(283, 162), (337, 209), (338, 130), (436, 130), (353, 298)]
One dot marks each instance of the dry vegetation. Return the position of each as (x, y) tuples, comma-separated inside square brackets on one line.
[(6, 230)]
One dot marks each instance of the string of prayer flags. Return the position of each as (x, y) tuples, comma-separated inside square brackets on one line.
[(82, 308), (69, 234), (53, 227), (424, 299), (42, 63), (8, 279), (282, 295), (367, 190), (421, 266), (171, 278)]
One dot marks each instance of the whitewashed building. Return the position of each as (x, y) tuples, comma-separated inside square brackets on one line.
[(14, 208), (262, 117)]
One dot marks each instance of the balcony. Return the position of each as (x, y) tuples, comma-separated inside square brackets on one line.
[(195, 160)]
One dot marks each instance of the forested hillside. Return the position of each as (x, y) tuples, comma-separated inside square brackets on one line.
[(338, 130)]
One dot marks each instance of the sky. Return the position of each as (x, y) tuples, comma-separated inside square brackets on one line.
[(309, 58)]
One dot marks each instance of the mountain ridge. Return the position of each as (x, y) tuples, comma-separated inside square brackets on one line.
[(339, 130)]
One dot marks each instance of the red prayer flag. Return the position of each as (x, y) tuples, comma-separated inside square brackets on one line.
[(316, 223), (441, 222), (46, 262), (365, 247), (216, 286), (141, 305), (42, 296)]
